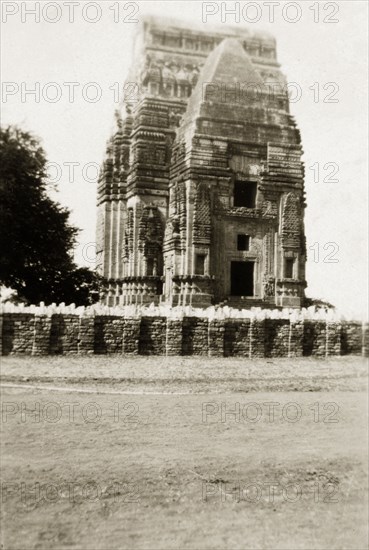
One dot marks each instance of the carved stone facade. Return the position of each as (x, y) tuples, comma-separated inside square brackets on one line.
[(201, 194)]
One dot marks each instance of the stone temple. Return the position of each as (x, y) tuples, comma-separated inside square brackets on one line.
[(201, 193)]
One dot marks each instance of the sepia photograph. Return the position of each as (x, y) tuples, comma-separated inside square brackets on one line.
[(184, 332)]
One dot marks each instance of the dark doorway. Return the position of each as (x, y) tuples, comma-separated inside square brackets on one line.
[(242, 278)]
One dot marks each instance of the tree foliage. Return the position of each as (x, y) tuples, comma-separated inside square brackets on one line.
[(317, 302), (36, 237)]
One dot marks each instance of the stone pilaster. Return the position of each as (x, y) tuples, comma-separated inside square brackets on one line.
[(41, 340)]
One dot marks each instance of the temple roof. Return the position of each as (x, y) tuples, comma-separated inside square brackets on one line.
[(228, 64)]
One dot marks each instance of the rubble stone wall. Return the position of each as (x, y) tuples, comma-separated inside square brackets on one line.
[(63, 334)]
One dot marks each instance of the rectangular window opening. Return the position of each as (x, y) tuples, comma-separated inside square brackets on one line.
[(200, 264), (243, 242), (150, 266), (288, 268), (245, 193)]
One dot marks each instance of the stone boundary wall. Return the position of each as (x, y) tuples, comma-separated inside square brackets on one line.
[(67, 334)]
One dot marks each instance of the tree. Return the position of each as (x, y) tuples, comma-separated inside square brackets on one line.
[(82, 286), (36, 238), (317, 302)]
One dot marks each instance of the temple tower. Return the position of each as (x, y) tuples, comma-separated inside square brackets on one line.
[(201, 195)]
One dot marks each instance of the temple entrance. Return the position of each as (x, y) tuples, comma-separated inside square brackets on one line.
[(242, 278)]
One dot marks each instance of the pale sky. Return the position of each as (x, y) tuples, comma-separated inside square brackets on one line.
[(328, 61)]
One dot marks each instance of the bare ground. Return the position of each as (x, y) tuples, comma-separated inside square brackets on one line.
[(171, 453)]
